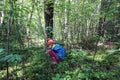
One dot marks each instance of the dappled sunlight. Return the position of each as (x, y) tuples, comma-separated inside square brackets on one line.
[(2, 73), (59, 39), (100, 57)]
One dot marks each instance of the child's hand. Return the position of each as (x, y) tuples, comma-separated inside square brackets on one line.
[(47, 52)]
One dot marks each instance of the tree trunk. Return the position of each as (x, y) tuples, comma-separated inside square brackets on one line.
[(48, 13), (105, 7), (102, 19)]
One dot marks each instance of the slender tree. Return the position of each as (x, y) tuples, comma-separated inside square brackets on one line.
[(8, 36), (105, 7)]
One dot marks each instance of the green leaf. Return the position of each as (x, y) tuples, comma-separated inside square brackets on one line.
[(6, 58), (1, 3), (81, 75), (12, 58), (1, 51), (114, 51)]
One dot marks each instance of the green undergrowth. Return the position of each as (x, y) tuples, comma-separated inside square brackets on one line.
[(78, 65)]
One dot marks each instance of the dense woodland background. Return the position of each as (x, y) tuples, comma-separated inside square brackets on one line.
[(89, 30)]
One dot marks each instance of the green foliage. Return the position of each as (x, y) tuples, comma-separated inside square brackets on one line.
[(112, 58), (70, 69), (76, 66), (117, 40), (89, 42), (40, 67), (1, 51), (5, 57), (11, 58), (86, 72), (80, 20)]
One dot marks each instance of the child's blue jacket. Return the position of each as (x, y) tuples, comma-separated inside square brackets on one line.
[(59, 50)]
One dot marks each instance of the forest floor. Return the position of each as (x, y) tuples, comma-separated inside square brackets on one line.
[(78, 65)]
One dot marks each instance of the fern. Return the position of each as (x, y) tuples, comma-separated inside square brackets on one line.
[(12, 58), (113, 52), (1, 51)]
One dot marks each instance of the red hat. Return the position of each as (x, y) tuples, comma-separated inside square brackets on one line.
[(50, 42)]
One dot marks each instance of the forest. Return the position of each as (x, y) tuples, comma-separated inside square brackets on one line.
[(88, 31)]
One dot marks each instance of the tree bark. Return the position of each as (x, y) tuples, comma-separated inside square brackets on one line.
[(105, 6), (102, 19), (48, 14)]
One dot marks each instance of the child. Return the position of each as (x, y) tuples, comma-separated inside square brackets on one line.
[(57, 52)]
